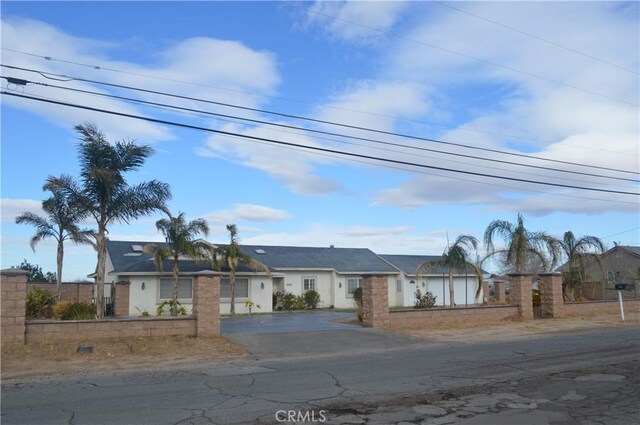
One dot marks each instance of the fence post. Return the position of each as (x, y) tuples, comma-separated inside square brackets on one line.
[(550, 285), (13, 293), (520, 294), (375, 301), (206, 303)]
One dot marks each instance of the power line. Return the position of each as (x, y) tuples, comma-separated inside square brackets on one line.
[(199, 111), (488, 62), (427, 123), (314, 148), (528, 34), (246, 108)]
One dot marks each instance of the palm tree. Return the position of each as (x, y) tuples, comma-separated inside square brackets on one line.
[(233, 256), (59, 224), (577, 251), (454, 258), (180, 242), (521, 244), (103, 192)]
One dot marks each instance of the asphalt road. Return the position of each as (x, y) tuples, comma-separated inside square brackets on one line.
[(577, 378)]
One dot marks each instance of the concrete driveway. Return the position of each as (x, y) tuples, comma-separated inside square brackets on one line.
[(313, 333)]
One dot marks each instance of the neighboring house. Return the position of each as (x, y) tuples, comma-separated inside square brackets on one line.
[(149, 288), (333, 272), (620, 264), (434, 280)]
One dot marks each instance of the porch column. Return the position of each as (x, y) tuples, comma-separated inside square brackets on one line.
[(206, 303), (375, 301), (500, 292), (550, 285), (520, 294)]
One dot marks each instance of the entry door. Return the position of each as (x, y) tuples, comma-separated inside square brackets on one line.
[(411, 296)]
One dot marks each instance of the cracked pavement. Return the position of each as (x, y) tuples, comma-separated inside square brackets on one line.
[(364, 376)]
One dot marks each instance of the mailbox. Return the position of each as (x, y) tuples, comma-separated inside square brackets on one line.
[(621, 286)]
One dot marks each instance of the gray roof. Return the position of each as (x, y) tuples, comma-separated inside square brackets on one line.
[(343, 260), (633, 250), (410, 263)]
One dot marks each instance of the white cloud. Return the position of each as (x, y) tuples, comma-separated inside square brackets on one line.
[(247, 212), (353, 20), (11, 208)]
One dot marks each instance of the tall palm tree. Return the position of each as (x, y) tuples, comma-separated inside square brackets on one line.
[(61, 224), (577, 252), (233, 256), (180, 242), (521, 244), (454, 258), (103, 192)]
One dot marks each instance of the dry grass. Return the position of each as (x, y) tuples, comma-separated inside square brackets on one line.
[(110, 355)]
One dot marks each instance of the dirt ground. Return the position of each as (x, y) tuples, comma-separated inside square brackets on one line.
[(509, 330), (110, 355)]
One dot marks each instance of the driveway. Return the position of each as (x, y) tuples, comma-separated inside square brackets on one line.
[(313, 333)]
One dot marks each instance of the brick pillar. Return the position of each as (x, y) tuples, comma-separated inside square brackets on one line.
[(85, 292), (13, 293), (550, 285), (500, 292), (485, 292), (520, 294), (122, 298), (375, 301), (206, 303)]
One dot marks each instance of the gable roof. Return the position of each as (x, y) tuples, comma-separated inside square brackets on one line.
[(632, 250), (343, 260), (409, 263)]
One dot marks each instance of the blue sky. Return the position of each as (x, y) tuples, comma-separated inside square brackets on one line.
[(552, 80)]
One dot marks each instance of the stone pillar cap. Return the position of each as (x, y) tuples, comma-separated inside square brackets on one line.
[(519, 274), (550, 274), (207, 273), (14, 272)]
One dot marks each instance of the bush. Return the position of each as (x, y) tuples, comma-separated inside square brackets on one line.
[(536, 298), (287, 301), (74, 310), (39, 303), (311, 299), (427, 300), (357, 299), (182, 310)]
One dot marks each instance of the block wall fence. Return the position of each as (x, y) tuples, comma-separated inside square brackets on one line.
[(376, 310), (203, 323)]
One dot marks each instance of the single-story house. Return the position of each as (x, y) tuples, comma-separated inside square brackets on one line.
[(434, 279)]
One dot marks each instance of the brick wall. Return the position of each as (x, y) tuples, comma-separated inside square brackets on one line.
[(206, 304), (82, 330), (520, 287), (122, 298), (500, 292), (375, 301), (72, 291), (445, 316), (594, 308), (13, 291)]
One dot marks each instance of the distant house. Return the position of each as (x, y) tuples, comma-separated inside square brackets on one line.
[(620, 264), (435, 280)]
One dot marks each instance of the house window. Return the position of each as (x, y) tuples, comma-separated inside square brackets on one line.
[(242, 287), (309, 283), (399, 285), (185, 288), (353, 283)]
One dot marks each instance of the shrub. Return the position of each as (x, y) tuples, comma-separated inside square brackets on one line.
[(182, 310), (283, 300), (143, 312), (74, 310), (427, 300), (311, 299), (357, 299), (39, 303), (536, 298)]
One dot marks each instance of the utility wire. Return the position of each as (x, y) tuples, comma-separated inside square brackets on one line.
[(314, 148), (202, 112), (488, 62), (390, 133), (544, 40)]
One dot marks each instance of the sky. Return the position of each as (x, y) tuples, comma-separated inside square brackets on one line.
[(525, 91)]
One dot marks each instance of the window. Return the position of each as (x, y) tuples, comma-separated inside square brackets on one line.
[(309, 283), (242, 287), (399, 285), (185, 288), (353, 283)]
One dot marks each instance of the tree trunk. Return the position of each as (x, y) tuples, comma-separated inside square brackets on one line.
[(174, 304), (232, 284), (59, 260), (101, 246), (451, 290)]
